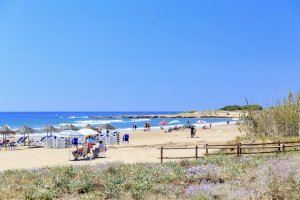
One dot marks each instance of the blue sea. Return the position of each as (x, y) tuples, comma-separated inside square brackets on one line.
[(39, 119)]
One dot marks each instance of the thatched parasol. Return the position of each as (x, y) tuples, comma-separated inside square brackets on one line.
[(25, 130), (49, 129), (107, 127), (5, 130), (69, 127), (88, 126)]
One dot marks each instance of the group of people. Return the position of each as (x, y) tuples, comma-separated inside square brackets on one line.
[(90, 149), (11, 144), (147, 127), (134, 127)]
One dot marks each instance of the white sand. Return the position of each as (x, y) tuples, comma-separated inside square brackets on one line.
[(143, 147)]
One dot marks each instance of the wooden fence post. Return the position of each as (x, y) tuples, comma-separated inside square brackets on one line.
[(196, 152), (206, 149), (283, 148), (161, 154), (279, 149), (238, 150), (118, 138)]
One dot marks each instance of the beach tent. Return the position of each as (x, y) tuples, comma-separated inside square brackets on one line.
[(69, 127), (26, 130), (4, 131), (69, 134), (174, 122), (88, 126), (88, 132)]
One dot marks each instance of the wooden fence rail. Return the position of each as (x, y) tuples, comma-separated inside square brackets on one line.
[(234, 149)]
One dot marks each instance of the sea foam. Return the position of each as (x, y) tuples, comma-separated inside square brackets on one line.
[(82, 123), (140, 120)]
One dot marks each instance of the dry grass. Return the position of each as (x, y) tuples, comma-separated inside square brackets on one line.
[(281, 120)]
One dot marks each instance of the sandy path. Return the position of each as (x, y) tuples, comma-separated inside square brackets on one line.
[(143, 147)]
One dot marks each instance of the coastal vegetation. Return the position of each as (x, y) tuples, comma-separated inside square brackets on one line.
[(246, 107), (219, 177), (278, 121)]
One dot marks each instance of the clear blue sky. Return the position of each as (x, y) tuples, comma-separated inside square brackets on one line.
[(146, 55)]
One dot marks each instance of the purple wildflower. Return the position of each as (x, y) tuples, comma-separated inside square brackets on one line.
[(204, 171), (207, 188)]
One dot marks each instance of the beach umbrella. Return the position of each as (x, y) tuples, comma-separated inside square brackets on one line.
[(48, 129), (88, 126), (5, 130), (107, 127), (69, 134), (88, 132), (69, 127), (174, 122), (25, 130), (163, 123)]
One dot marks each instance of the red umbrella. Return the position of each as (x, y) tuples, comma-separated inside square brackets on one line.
[(163, 123)]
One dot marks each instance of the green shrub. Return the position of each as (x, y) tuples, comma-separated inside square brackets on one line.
[(246, 107), (231, 108)]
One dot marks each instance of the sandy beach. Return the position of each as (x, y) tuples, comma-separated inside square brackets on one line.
[(143, 147)]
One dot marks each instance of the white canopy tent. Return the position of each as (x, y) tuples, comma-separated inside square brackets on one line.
[(88, 132), (69, 134)]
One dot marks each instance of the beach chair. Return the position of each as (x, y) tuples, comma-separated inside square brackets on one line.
[(21, 140), (83, 153), (86, 152)]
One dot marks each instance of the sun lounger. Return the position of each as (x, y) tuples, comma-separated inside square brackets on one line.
[(21, 140)]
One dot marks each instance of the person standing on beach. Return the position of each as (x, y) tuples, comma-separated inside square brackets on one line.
[(135, 127)]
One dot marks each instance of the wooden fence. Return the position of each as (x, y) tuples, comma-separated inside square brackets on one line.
[(233, 149)]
